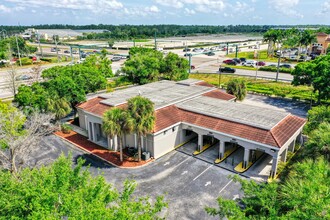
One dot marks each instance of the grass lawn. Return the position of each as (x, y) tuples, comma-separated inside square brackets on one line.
[(262, 56), (265, 87), (141, 40)]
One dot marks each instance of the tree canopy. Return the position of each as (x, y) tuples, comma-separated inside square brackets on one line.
[(148, 65), (65, 85), (237, 87), (59, 191), (315, 73)]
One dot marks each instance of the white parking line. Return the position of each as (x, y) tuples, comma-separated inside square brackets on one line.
[(182, 162), (202, 172), (225, 186)]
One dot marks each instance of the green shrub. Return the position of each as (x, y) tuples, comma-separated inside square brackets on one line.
[(66, 129), (274, 69), (46, 59), (25, 61)]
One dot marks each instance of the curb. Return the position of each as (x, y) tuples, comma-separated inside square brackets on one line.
[(115, 165)]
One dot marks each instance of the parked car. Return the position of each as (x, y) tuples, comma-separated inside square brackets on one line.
[(53, 49), (251, 63), (242, 59), (115, 59), (210, 54), (75, 52), (261, 63), (230, 62), (237, 60), (66, 51), (285, 65), (226, 70), (23, 77), (186, 49), (192, 67)]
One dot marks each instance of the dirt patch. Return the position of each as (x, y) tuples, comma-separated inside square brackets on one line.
[(111, 156)]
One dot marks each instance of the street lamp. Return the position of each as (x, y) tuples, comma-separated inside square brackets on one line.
[(278, 62), (219, 82)]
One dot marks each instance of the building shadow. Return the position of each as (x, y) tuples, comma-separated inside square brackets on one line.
[(92, 161)]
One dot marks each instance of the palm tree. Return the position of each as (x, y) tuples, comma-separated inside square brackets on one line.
[(237, 87), (59, 106), (116, 121), (319, 141), (308, 37), (141, 111)]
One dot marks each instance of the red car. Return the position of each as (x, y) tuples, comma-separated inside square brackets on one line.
[(261, 63), (229, 62)]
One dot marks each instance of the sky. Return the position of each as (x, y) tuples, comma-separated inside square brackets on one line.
[(182, 12)]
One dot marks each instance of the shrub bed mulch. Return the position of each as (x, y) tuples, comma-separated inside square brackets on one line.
[(112, 157)]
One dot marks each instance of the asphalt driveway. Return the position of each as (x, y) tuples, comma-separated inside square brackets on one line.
[(188, 183)]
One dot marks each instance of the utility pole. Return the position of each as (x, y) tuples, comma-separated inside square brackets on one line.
[(219, 79), (227, 49), (155, 41), (236, 51), (190, 62), (40, 45), (55, 36), (278, 64), (19, 55)]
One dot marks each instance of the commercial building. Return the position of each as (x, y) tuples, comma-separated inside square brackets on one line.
[(191, 109), (323, 41)]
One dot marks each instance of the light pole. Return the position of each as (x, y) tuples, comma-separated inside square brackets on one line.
[(278, 63), (219, 82), (19, 55)]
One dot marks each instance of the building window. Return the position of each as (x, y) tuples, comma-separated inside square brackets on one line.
[(173, 129)]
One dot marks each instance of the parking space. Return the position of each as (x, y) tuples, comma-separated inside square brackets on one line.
[(188, 183), (259, 170)]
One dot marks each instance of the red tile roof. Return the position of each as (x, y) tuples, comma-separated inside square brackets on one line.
[(321, 34), (219, 95), (276, 137), (204, 84), (165, 117), (286, 128), (95, 107)]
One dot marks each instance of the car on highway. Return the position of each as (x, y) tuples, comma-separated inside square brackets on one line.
[(116, 58), (242, 59), (23, 77), (53, 49), (210, 53), (226, 70), (285, 65), (251, 63), (187, 54), (272, 65), (186, 49), (237, 60), (230, 62), (261, 63)]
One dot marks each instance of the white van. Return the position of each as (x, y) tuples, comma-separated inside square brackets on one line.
[(251, 63)]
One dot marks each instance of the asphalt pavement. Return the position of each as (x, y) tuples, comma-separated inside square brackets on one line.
[(187, 183)]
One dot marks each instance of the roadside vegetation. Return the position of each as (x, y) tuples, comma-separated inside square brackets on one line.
[(148, 65), (263, 87)]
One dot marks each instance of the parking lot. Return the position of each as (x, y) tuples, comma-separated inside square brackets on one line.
[(189, 184)]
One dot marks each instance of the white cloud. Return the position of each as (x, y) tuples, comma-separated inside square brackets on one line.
[(242, 7), (205, 6), (4, 9), (325, 7), (286, 7), (152, 8), (170, 3), (188, 11), (96, 6)]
